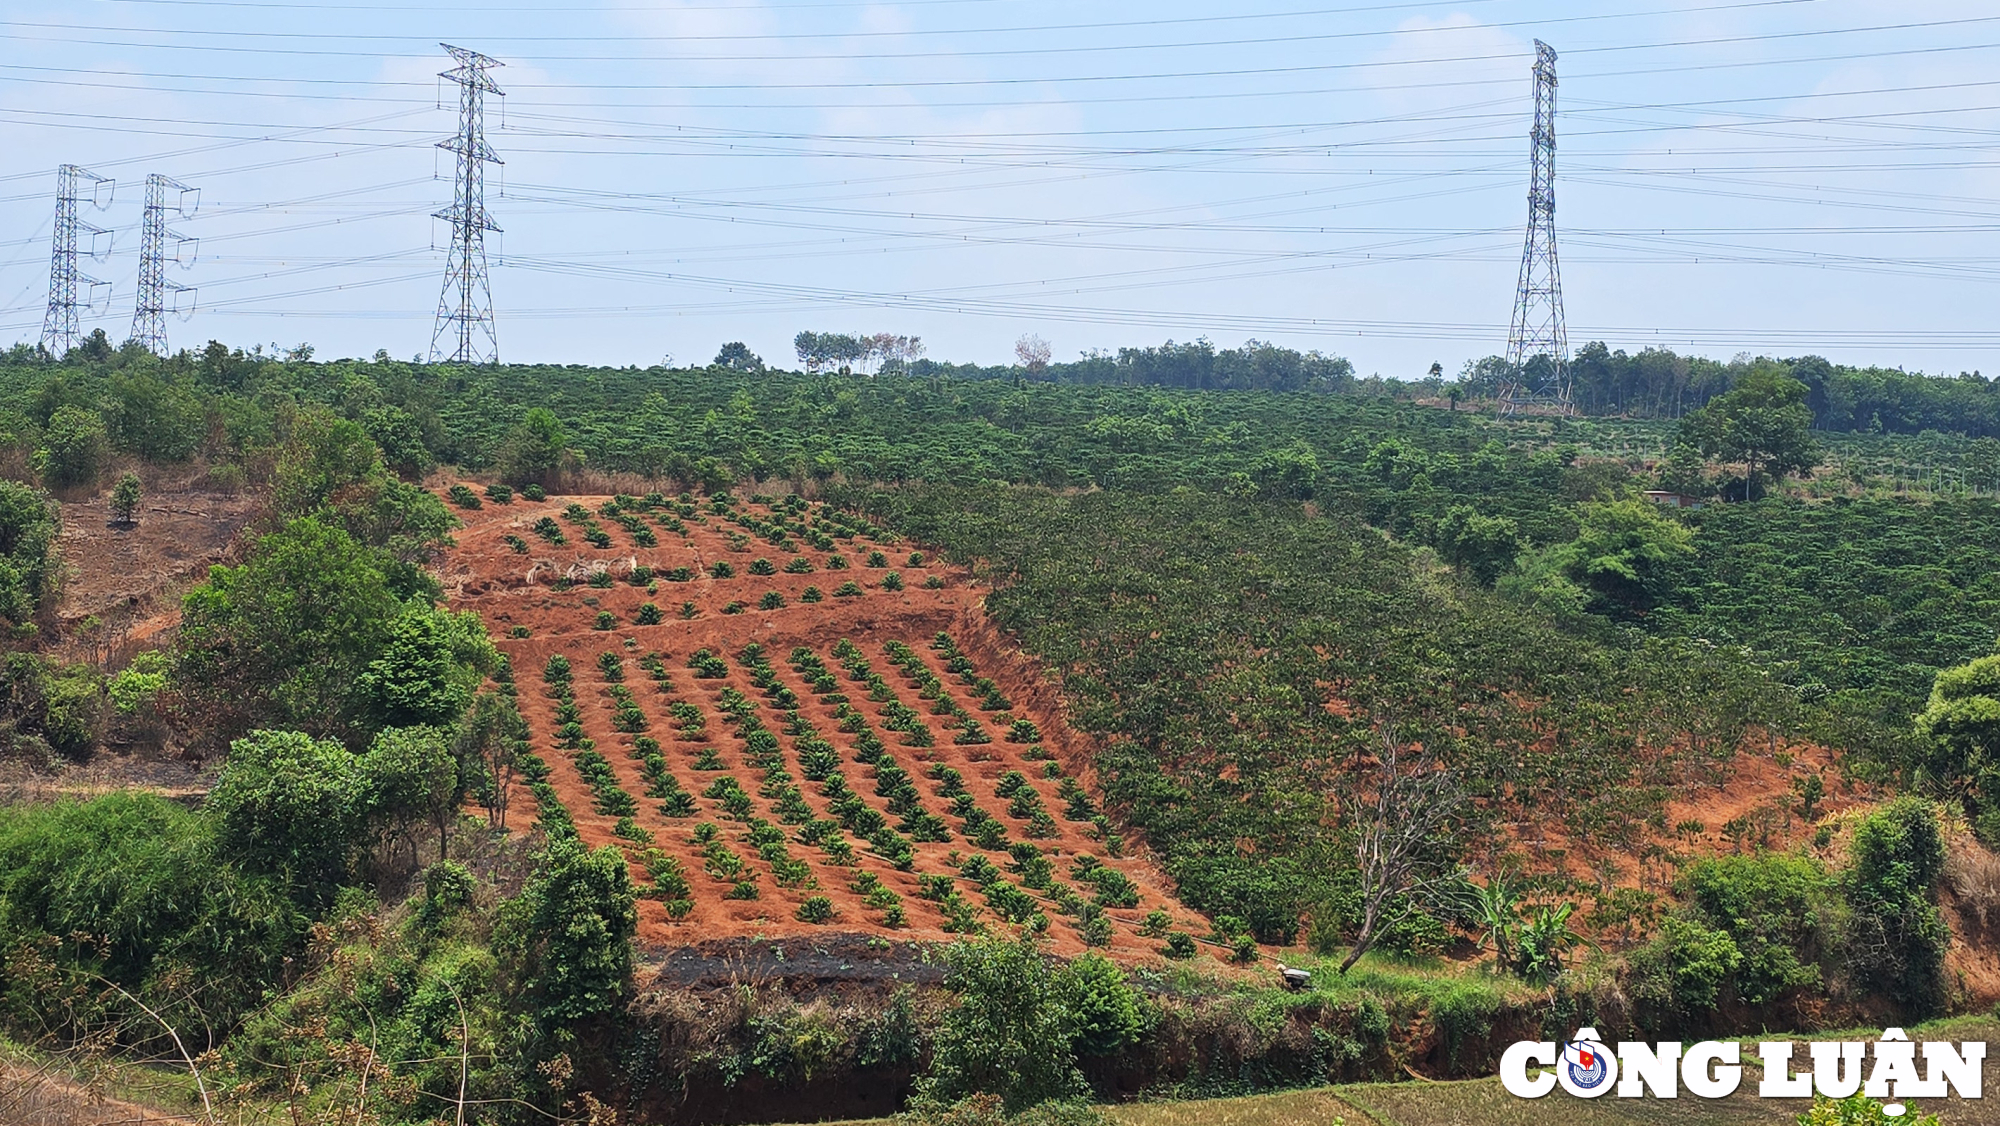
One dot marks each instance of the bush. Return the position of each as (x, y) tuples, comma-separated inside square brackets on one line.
[(500, 494), (877, 559), (74, 446), (570, 932), (849, 589), (1103, 1007), (721, 569), (762, 566), (812, 594), (534, 493), (1859, 1110), (1002, 1037), (463, 496), (1898, 938), (892, 581), (1180, 946), (143, 877), (772, 600), (1096, 930), (124, 502), (1773, 906), (649, 615), (816, 909), (291, 807), (1684, 969), (606, 620)]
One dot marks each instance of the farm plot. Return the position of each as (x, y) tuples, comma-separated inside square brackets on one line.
[(791, 723)]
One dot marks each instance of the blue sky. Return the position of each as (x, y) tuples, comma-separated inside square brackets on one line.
[(1777, 177)]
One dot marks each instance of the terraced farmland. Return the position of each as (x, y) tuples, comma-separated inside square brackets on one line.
[(789, 721)]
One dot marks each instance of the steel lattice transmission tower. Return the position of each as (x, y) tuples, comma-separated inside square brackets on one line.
[(149, 314), (1538, 341), (59, 327), (464, 332)]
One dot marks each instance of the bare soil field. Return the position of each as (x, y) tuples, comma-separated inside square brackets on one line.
[(130, 578), (844, 670)]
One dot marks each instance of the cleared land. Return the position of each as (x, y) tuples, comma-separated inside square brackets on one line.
[(865, 709)]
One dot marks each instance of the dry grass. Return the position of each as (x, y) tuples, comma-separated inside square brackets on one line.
[(1286, 1108), (1974, 875), (58, 1092)]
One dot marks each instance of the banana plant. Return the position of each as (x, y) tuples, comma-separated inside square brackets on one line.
[(1496, 909), (1545, 937)]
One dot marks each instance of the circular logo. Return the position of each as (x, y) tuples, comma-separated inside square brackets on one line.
[(1587, 1068)]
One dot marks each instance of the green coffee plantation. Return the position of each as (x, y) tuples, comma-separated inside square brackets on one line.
[(790, 722)]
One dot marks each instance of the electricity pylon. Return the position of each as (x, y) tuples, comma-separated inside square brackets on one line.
[(59, 326), (465, 307), (149, 314), (1538, 341)]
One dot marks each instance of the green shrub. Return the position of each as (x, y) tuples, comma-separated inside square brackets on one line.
[(772, 600), (500, 494), (1898, 938), (1010, 1033), (74, 447), (606, 620), (812, 594), (572, 927), (1180, 945), (721, 569), (649, 615), (877, 559), (1775, 907), (816, 909), (892, 581), (148, 881), (1684, 969), (1859, 1110), (463, 496), (534, 493), (849, 589)]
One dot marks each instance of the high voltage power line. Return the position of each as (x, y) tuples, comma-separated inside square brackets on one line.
[(1410, 167)]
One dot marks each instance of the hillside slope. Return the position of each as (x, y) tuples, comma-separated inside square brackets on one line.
[(754, 695)]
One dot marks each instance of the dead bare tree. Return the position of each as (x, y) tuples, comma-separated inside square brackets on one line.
[(1033, 353), (1400, 809)]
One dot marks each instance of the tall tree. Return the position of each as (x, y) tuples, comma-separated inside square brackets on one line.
[(285, 637), (1763, 422)]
